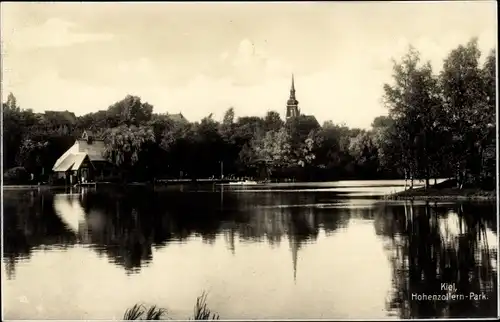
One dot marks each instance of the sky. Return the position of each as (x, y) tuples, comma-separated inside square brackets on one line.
[(202, 58)]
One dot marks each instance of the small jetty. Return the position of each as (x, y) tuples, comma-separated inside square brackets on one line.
[(244, 182), (184, 181), (86, 184)]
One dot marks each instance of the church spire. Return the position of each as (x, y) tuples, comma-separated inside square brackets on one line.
[(292, 106)]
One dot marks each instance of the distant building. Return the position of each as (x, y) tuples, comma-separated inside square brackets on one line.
[(292, 105), (177, 117), (67, 116), (84, 161)]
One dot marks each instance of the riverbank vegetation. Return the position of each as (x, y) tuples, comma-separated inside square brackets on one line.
[(141, 312), (438, 125), (446, 190)]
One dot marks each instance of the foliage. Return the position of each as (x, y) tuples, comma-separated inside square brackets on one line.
[(17, 175), (273, 148), (364, 152), (124, 144), (443, 123), (201, 311), (140, 312), (438, 125), (31, 153)]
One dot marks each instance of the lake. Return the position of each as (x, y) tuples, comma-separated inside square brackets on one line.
[(277, 251)]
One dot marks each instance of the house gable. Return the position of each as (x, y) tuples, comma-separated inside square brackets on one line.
[(87, 146), (94, 149)]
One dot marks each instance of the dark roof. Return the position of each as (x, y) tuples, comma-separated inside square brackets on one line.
[(67, 115), (94, 150), (177, 117)]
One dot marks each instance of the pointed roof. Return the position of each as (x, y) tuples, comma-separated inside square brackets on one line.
[(74, 156), (292, 100)]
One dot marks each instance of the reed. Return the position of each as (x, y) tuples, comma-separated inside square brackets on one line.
[(201, 310), (141, 312)]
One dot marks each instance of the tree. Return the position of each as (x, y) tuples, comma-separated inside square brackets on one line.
[(412, 101), (129, 111), (227, 126), (273, 121), (247, 128), (437, 125), (32, 155), (17, 123), (208, 148), (11, 103), (381, 122), (466, 104), (273, 149), (487, 135), (126, 144), (365, 153)]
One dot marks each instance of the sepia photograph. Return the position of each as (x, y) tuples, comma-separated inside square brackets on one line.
[(308, 160)]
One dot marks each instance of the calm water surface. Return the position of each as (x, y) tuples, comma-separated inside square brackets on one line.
[(275, 251)]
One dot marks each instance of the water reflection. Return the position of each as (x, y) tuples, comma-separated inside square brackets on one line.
[(426, 244), (429, 245), (29, 224)]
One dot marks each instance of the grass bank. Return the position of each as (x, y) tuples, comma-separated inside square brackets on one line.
[(446, 190)]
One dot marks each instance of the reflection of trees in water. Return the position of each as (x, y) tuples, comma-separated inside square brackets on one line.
[(131, 226), (126, 225), (29, 222), (426, 244), (432, 244)]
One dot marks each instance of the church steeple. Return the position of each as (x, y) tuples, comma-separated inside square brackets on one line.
[(292, 105)]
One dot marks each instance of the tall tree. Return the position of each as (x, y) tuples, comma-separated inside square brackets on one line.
[(402, 100), (273, 121), (273, 149), (465, 102), (129, 111), (125, 145), (487, 123), (365, 154)]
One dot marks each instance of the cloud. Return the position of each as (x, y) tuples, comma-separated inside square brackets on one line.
[(224, 56), (248, 64), (339, 70), (141, 66), (53, 33)]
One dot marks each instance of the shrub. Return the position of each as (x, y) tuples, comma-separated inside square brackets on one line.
[(17, 175)]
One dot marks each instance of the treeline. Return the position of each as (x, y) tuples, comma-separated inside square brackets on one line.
[(445, 124), (437, 125)]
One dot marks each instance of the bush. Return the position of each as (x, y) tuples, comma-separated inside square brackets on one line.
[(17, 175), (55, 181)]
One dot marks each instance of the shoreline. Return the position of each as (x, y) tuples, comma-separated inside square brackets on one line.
[(443, 198), (28, 187), (433, 193), (451, 194)]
